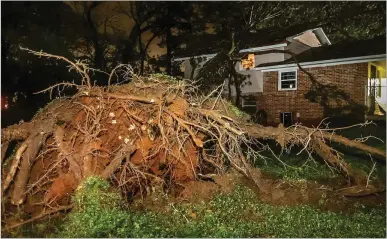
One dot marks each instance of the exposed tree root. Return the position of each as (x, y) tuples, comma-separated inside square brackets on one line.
[(125, 152), (34, 142), (14, 166), (16, 132), (150, 131), (4, 148)]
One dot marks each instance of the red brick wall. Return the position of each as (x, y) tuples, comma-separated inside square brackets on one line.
[(352, 78)]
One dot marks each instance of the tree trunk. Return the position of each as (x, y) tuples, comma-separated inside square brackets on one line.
[(238, 94), (98, 54), (141, 48), (169, 51)]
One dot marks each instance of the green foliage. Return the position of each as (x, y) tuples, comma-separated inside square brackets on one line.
[(97, 211), (239, 113), (238, 214)]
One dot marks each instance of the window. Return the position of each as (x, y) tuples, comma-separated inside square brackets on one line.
[(287, 80), (249, 102)]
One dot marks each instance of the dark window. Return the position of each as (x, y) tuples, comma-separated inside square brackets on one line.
[(286, 118), (373, 72)]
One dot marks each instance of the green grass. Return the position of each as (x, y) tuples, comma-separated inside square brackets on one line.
[(98, 213), (297, 167)]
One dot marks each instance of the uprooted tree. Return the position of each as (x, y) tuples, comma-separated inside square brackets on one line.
[(153, 130)]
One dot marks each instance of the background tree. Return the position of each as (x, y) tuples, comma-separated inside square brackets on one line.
[(38, 26)]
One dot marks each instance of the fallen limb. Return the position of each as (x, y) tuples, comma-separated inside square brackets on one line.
[(354, 144)]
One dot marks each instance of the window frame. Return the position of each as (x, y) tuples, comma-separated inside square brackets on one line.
[(280, 80), (248, 105)]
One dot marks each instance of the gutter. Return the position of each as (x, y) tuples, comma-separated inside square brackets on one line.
[(350, 60), (261, 48)]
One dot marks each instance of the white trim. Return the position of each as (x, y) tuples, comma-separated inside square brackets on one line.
[(280, 80), (350, 60), (255, 49)]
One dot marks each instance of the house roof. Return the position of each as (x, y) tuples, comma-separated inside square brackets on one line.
[(211, 43), (361, 48)]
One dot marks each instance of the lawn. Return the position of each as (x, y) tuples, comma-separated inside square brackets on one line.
[(236, 214)]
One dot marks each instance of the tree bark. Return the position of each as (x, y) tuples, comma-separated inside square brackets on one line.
[(169, 51)]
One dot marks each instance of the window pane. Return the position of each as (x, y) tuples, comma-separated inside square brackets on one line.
[(288, 75), (288, 84)]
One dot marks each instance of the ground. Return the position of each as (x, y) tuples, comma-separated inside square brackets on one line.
[(299, 202)]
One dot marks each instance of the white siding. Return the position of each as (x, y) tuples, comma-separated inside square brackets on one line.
[(271, 57), (296, 47)]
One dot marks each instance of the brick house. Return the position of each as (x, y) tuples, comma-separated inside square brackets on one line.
[(280, 91), (345, 73)]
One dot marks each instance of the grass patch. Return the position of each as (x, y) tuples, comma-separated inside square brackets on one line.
[(98, 213), (298, 167)]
